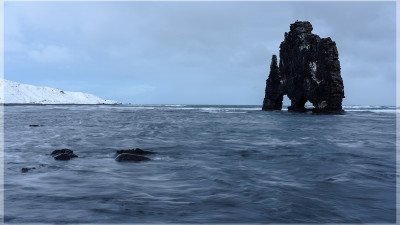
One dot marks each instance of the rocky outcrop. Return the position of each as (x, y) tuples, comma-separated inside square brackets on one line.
[(26, 169), (274, 88), (309, 70), (136, 151), (63, 154), (131, 157)]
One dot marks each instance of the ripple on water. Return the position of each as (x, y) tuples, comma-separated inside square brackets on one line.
[(215, 164)]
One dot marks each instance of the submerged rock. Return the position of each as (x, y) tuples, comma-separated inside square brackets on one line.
[(63, 154), (61, 151), (136, 151), (24, 170), (309, 70), (131, 157)]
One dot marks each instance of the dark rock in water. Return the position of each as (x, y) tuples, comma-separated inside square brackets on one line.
[(309, 70), (136, 151), (61, 151), (63, 154), (73, 155), (131, 157), (35, 125), (24, 170)]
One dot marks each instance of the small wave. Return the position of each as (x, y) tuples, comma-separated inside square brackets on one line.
[(386, 111), (163, 158), (374, 111), (175, 105), (338, 178), (368, 107)]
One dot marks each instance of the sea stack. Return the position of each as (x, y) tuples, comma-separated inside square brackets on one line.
[(309, 70)]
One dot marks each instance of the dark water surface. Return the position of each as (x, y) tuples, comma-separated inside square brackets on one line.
[(232, 164)]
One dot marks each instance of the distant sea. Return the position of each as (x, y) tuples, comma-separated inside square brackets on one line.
[(215, 164)]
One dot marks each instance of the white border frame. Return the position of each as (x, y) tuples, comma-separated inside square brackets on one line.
[(397, 90)]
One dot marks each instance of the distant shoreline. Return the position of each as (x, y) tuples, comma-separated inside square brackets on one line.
[(66, 104), (169, 105)]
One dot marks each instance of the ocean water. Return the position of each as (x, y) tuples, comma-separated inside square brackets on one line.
[(215, 164)]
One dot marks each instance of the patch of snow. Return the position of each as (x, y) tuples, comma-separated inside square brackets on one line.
[(18, 93)]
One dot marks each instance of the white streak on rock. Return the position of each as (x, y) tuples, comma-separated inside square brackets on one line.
[(313, 68), (307, 46), (322, 104)]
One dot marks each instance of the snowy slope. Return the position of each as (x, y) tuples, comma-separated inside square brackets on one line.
[(28, 94)]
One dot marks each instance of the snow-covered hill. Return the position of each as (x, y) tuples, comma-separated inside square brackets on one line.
[(28, 94)]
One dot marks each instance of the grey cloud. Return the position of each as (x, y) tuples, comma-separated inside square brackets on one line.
[(193, 52)]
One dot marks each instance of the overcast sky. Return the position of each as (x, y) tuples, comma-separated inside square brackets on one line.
[(191, 52)]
